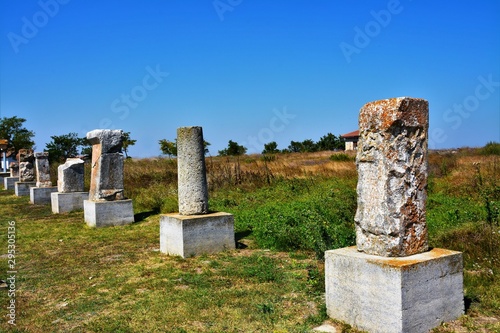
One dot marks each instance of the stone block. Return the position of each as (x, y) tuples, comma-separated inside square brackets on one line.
[(23, 188), (70, 176), (41, 195), (191, 235), (108, 213), (3, 175), (42, 170), (67, 202), (9, 183), (410, 294)]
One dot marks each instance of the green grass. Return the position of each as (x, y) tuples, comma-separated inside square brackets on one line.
[(72, 278)]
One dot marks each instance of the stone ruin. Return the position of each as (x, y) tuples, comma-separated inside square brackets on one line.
[(70, 193), (70, 176), (14, 169), (390, 281), (42, 170), (195, 230), (392, 177), (106, 204), (25, 157)]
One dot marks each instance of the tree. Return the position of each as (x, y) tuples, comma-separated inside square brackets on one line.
[(309, 146), (330, 142), (233, 149), (168, 147), (63, 146), (295, 147), (127, 142), (205, 146), (270, 148), (19, 137)]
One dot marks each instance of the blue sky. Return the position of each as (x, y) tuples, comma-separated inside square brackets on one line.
[(248, 71)]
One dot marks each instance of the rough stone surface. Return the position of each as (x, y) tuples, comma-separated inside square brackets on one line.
[(106, 182), (70, 176), (14, 169), (410, 294), (26, 167), (193, 190), (41, 195), (42, 170), (392, 177), (67, 202), (108, 213), (188, 236)]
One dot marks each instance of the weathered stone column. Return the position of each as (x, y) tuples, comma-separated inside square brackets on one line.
[(194, 230), (9, 183), (70, 187), (25, 158), (107, 204), (392, 177), (386, 282), (193, 191), (14, 169), (42, 170)]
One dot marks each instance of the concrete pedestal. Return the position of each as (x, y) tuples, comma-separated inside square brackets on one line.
[(23, 188), (410, 294), (9, 183), (191, 235), (108, 213), (41, 195), (67, 202)]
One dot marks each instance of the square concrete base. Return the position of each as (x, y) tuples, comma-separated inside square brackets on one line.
[(191, 235), (23, 188), (3, 175), (9, 183), (108, 213), (41, 195), (67, 202), (394, 295)]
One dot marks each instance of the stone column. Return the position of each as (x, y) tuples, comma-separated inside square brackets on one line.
[(386, 282), (392, 177), (14, 169), (70, 193), (25, 158), (42, 170), (194, 230), (107, 204), (193, 191), (9, 183)]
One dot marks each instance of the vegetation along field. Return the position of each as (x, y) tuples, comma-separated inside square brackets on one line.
[(288, 208)]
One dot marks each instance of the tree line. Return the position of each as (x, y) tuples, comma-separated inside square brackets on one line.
[(69, 145)]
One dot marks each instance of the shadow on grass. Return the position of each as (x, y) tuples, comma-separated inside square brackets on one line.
[(239, 236), (139, 217)]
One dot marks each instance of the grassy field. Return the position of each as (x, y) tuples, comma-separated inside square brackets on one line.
[(288, 208)]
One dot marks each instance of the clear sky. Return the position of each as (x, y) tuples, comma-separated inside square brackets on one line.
[(251, 71)]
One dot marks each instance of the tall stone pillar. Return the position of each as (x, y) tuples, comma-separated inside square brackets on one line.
[(40, 193), (25, 158), (390, 282), (194, 230), (107, 204)]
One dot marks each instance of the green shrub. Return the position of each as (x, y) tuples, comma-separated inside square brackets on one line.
[(491, 148), (341, 158)]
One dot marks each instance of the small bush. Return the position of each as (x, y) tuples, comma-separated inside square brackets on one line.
[(491, 148)]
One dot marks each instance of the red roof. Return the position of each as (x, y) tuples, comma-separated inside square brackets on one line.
[(350, 134)]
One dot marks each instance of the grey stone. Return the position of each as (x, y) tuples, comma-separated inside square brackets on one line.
[(9, 183), (42, 170), (14, 169), (70, 176), (188, 236), (67, 202), (410, 294), (192, 179), (22, 189), (106, 182), (392, 177), (41, 195), (108, 213)]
